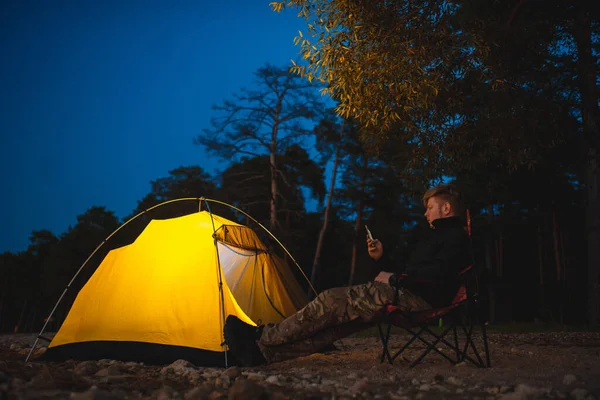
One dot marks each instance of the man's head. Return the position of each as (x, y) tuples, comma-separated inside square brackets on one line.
[(442, 201)]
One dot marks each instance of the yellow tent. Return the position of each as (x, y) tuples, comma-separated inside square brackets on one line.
[(159, 299)]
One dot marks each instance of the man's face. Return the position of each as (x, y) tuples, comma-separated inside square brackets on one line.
[(436, 208)]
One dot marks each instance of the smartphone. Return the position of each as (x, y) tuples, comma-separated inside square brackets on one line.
[(369, 233)]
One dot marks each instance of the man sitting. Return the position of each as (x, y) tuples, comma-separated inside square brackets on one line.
[(339, 312)]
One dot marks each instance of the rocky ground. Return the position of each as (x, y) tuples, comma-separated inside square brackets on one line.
[(563, 365)]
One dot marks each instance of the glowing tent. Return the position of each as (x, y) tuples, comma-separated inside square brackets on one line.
[(166, 295)]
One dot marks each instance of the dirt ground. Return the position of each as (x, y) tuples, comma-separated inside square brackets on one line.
[(524, 366)]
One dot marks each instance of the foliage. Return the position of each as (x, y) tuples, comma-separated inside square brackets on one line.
[(465, 81), (183, 182), (384, 61), (246, 185), (267, 120)]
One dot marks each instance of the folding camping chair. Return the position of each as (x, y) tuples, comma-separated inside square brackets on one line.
[(463, 312)]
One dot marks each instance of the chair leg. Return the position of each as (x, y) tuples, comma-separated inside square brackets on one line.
[(463, 356), (469, 341), (407, 344), (458, 359), (485, 345), (432, 346), (385, 339)]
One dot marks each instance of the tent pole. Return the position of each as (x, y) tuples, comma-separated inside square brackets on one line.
[(220, 280)]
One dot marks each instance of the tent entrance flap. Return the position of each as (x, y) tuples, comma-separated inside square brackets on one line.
[(239, 236)]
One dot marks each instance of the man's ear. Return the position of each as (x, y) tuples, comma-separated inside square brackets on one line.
[(447, 208)]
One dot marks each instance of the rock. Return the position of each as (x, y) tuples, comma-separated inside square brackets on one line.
[(216, 394), (233, 372), (273, 379), (415, 381), (85, 368), (460, 390), (116, 378), (44, 394), (324, 382), (5, 384), (164, 393), (440, 388), (96, 394), (244, 389), (505, 389), (110, 370), (223, 381), (493, 390), (579, 394), (425, 387), (255, 376), (210, 373), (179, 367), (359, 386), (195, 377), (524, 392), (454, 381), (38, 352), (569, 379), (4, 378), (197, 393), (132, 364)]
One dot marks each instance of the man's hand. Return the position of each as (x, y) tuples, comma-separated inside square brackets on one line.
[(383, 277), (375, 248)]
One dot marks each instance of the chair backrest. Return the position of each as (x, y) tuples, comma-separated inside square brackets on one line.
[(470, 277)]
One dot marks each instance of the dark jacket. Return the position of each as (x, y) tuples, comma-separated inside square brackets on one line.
[(432, 270)]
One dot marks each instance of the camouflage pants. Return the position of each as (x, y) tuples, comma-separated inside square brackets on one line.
[(334, 314)]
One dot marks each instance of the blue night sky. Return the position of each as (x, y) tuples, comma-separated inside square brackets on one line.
[(98, 98)]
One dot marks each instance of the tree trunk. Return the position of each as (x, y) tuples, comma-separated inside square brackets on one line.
[(355, 240), (359, 213), (555, 237), (273, 166), (540, 248), (498, 251), (590, 114), (563, 280), (489, 264), (273, 207), (1, 318), (316, 266), (593, 242), (20, 321)]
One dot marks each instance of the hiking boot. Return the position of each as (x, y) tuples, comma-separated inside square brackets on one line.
[(241, 339)]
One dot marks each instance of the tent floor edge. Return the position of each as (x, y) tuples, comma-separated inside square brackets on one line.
[(129, 351)]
